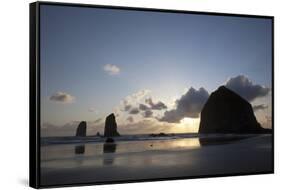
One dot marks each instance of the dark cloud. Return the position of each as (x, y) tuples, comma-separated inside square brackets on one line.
[(127, 107), (189, 105), (62, 97), (147, 113), (130, 119), (143, 107), (260, 107), (245, 88), (155, 106), (134, 111)]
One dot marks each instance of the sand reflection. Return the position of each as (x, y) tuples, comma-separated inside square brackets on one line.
[(185, 143)]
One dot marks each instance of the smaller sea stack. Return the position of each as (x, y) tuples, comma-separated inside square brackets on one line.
[(81, 129)]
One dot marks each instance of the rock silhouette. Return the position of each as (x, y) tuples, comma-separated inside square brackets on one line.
[(110, 129), (81, 129), (227, 112)]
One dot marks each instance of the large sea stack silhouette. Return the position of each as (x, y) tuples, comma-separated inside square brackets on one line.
[(227, 112), (81, 129), (110, 128)]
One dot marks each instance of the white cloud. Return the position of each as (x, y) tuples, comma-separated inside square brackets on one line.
[(134, 99), (93, 110), (62, 97), (111, 69), (130, 119)]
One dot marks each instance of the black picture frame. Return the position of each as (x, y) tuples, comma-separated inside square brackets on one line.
[(34, 99)]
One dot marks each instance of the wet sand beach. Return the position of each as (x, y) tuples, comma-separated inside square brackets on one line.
[(148, 159)]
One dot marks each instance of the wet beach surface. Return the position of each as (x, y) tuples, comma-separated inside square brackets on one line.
[(148, 159)]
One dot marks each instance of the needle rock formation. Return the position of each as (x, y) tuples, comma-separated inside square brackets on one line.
[(110, 129), (81, 129)]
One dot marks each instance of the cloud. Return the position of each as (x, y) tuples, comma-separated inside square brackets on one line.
[(189, 105), (130, 119), (260, 107), (136, 97), (147, 113), (145, 126), (132, 102), (48, 125), (111, 69), (68, 129), (93, 110), (155, 106), (97, 120), (62, 97), (141, 102), (127, 107), (143, 107), (268, 122), (134, 111), (245, 88)]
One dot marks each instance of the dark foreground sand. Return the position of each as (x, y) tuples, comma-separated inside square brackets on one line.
[(154, 159)]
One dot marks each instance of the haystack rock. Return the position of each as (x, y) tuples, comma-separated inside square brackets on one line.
[(110, 129), (227, 112), (81, 129)]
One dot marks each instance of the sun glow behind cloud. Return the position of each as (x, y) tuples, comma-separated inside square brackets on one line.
[(190, 124)]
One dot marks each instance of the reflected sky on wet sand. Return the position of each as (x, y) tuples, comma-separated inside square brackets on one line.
[(121, 153)]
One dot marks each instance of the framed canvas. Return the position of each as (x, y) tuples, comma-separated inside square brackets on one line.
[(122, 94)]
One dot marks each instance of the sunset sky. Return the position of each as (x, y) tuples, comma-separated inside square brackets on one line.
[(153, 70)]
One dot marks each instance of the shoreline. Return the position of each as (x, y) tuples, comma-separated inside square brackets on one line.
[(46, 141)]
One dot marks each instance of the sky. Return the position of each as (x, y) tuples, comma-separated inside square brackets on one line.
[(153, 70)]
